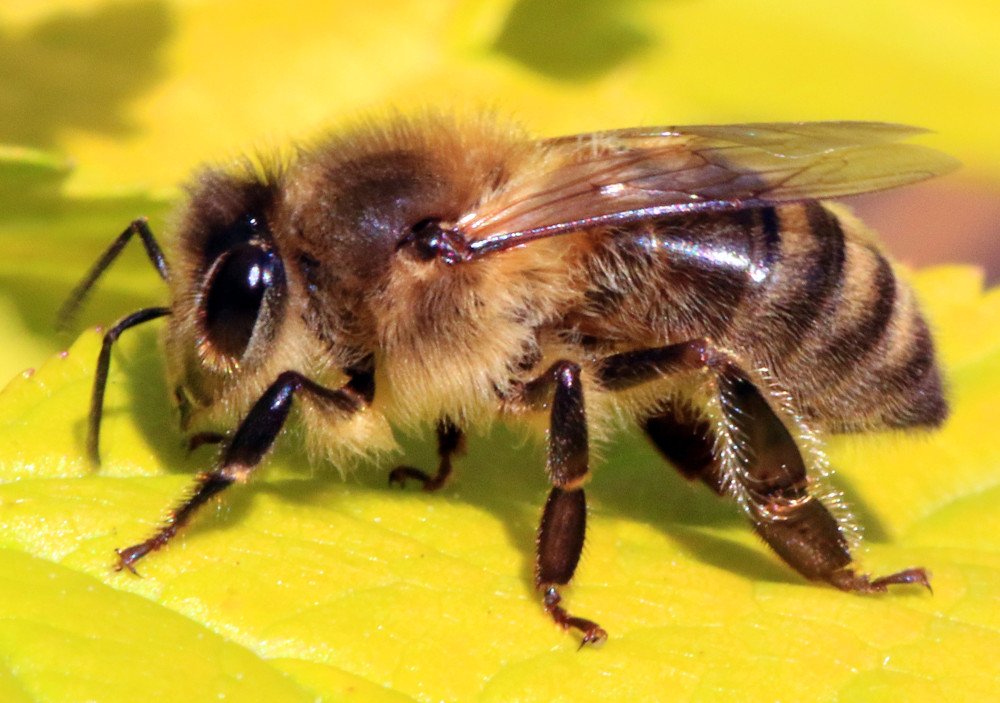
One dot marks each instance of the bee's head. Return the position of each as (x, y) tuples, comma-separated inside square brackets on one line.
[(229, 288)]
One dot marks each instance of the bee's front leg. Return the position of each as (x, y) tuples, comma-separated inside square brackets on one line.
[(564, 520), (251, 442), (101, 375)]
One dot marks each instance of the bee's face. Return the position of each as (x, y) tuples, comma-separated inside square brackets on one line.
[(230, 289)]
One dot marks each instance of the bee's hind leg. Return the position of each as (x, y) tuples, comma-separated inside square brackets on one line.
[(771, 478), (450, 441), (687, 443)]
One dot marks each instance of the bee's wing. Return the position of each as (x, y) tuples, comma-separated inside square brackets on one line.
[(636, 174)]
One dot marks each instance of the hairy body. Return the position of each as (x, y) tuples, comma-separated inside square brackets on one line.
[(450, 272)]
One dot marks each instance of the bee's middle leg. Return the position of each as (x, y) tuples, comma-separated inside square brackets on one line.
[(773, 479), (564, 519)]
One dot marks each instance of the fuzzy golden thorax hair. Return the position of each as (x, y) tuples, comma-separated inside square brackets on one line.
[(445, 341)]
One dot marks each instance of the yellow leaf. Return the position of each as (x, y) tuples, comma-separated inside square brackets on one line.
[(305, 585)]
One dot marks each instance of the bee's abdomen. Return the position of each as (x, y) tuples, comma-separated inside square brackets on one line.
[(800, 289), (860, 354)]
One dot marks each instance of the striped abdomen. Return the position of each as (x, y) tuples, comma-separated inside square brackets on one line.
[(800, 289)]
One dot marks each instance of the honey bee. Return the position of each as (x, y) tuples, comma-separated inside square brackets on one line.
[(451, 271)]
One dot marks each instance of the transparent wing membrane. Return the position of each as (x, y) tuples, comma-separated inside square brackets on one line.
[(635, 174)]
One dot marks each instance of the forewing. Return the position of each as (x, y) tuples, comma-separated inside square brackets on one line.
[(634, 174)]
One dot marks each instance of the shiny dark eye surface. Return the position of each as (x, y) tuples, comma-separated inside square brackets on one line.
[(240, 282)]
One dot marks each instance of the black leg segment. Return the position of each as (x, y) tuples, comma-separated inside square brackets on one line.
[(101, 376), (564, 520), (77, 296), (559, 387), (253, 439), (207, 485), (450, 441), (686, 443), (199, 439), (768, 476), (560, 536), (620, 372), (796, 525)]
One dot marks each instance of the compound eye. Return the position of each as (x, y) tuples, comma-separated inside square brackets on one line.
[(239, 283)]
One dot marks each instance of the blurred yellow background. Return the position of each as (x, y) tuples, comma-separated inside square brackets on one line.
[(124, 99), (137, 93)]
